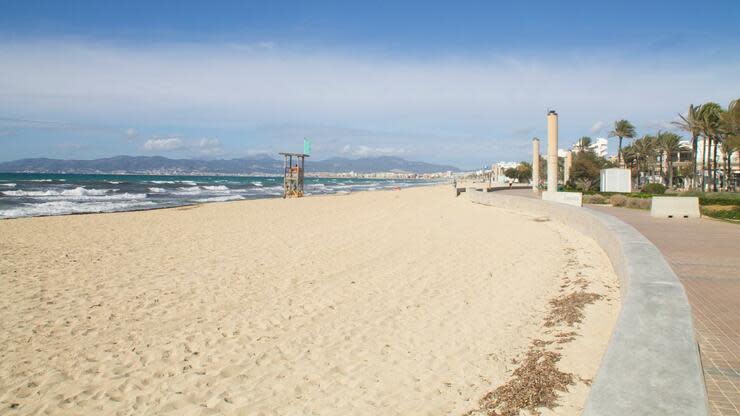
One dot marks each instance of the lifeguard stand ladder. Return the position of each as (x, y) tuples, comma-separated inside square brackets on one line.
[(293, 175)]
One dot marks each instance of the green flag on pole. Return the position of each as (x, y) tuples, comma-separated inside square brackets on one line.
[(306, 147)]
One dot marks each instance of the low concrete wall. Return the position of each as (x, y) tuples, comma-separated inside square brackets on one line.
[(651, 365), (570, 198), (485, 188), (675, 207)]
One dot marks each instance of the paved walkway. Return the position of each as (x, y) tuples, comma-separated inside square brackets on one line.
[(705, 254)]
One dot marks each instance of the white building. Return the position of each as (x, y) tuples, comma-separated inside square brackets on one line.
[(599, 147)]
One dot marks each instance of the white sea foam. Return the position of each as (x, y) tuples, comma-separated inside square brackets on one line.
[(70, 207), (31, 193), (9, 185), (221, 198), (216, 188), (161, 182), (257, 183), (188, 182), (113, 182), (156, 190), (192, 190), (80, 191), (77, 194)]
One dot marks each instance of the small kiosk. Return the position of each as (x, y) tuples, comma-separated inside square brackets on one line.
[(293, 174)]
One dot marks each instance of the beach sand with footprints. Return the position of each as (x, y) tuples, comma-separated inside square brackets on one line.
[(409, 302)]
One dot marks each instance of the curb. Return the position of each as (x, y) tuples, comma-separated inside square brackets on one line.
[(651, 365)]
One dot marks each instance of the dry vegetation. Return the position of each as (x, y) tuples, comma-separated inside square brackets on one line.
[(535, 384), (568, 309)]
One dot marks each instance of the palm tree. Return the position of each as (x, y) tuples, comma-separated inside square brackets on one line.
[(709, 116), (583, 144), (691, 124), (631, 160), (622, 129), (669, 143), (730, 130), (644, 150)]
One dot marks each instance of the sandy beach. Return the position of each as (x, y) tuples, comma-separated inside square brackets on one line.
[(409, 302)]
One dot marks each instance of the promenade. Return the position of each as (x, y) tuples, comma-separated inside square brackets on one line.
[(705, 254)]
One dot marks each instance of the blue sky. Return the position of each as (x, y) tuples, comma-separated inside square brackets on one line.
[(466, 83)]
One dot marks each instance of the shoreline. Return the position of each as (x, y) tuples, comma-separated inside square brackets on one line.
[(381, 300), (160, 198)]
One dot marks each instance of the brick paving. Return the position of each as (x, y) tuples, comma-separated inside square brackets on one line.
[(705, 254)]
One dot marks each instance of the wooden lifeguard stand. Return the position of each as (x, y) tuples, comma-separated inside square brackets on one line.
[(293, 174)]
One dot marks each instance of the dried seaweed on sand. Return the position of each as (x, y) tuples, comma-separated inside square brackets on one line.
[(535, 384), (568, 309)]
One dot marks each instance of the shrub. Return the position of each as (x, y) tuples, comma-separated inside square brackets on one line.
[(639, 203), (727, 214), (594, 199), (618, 200), (655, 188)]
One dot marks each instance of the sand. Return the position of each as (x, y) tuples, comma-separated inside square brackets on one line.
[(409, 302)]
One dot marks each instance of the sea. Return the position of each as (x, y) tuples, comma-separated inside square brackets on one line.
[(35, 194)]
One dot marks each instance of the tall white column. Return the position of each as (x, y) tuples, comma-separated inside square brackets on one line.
[(535, 164), (568, 165), (552, 151)]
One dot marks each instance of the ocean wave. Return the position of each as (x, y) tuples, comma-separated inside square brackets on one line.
[(257, 183), (156, 190), (162, 182), (31, 193), (192, 190), (9, 185), (216, 188), (70, 207), (80, 191), (77, 194), (114, 182), (221, 198)]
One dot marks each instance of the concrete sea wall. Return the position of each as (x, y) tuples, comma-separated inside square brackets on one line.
[(651, 365)]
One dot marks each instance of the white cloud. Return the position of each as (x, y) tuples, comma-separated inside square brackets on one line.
[(130, 134), (454, 108), (209, 147), (369, 151), (596, 128), (219, 83), (165, 144)]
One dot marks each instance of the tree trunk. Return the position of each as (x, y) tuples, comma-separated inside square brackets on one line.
[(704, 163), (727, 171), (714, 166), (670, 171), (694, 145), (619, 153)]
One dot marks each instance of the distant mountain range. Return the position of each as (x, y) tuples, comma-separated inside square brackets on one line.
[(265, 165)]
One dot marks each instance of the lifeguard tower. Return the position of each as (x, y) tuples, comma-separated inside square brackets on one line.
[(293, 174)]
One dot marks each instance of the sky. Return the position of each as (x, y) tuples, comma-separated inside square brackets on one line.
[(466, 83)]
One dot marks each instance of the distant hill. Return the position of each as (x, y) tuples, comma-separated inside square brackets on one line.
[(266, 165)]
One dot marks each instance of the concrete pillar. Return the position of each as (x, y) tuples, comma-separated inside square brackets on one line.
[(567, 166), (535, 164), (552, 151)]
